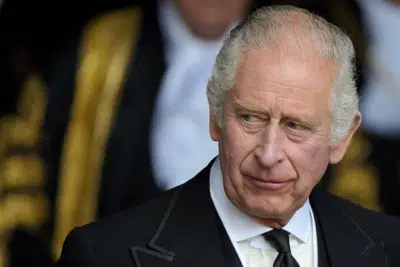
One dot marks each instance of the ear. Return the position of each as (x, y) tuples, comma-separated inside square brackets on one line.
[(338, 150), (215, 130)]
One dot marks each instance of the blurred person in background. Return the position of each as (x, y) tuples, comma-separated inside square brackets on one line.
[(380, 102), (30, 31)]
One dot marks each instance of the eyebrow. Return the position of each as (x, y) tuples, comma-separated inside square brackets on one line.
[(243, 105)]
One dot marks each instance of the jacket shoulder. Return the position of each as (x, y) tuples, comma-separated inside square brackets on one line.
[(378, 225), (108, 242), (135, 226), (356, 211), (370, 217)]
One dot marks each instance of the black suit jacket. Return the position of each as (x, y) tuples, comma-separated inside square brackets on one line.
[(182, 228)]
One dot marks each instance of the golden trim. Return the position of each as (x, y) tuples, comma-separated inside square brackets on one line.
[(4, 237), (20, 210), (27, 210), (24, 128), (20, 170), (105, 54), (355, 179)]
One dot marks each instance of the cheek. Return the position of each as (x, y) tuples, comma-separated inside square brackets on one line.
[(237, 144), (310, 163)]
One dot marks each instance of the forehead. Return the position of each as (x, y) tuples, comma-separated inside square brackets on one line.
[(290, 79)]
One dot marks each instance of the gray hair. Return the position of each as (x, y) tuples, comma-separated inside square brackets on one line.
[(264, 28)]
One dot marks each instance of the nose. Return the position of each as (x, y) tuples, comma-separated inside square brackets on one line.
[(269, 152)]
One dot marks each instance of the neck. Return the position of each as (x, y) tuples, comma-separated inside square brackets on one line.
[(273, 223)]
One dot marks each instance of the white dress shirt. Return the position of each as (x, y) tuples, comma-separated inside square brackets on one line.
[(246, 233), (180, 141), (380, 104)]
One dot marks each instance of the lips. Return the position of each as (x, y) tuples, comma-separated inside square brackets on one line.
[(269, 184)]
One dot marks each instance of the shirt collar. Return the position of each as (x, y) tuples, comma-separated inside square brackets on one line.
[(239, 225)]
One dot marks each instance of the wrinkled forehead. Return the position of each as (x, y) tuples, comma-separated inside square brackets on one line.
[(305, 71), (269, 73)]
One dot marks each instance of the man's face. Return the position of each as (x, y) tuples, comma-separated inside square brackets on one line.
[(209, 19), (274, 145)]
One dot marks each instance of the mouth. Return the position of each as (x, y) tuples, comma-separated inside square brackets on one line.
[(270, 185)]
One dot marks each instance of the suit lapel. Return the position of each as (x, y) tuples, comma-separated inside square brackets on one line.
[(344, 241), (189, 233)]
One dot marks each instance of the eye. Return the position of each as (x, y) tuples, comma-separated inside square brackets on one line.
[(251, 123), (294, 125), (248, 117)]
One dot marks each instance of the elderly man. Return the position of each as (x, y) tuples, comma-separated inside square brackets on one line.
[(283, 106)]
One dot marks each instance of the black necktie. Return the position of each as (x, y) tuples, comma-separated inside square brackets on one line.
[(279, 239)]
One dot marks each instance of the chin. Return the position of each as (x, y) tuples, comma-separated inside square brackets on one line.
[(271, 207), (267, 209)]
